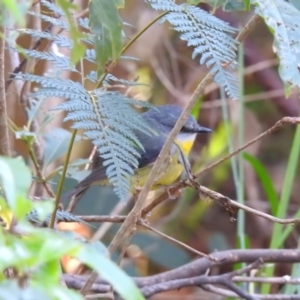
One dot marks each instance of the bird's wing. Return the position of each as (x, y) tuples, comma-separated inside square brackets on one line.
[(152, 143)]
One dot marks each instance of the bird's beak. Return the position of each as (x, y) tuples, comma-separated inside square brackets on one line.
[(204, 129)]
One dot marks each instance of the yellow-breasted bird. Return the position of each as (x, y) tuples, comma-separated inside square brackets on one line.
[(161, 120)]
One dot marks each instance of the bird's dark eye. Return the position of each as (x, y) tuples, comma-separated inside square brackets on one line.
[(186, 129)]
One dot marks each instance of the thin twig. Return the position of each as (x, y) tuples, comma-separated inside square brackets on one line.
[(279, 124), (38, 170), (61, 181), (218, 196), (263, 96), (231, 206), (227, 293), (145, 225), (271, 280)]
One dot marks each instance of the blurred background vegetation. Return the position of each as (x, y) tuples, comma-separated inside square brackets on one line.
[(166, 66)]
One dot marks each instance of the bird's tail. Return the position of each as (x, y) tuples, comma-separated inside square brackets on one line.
[(78, 191)]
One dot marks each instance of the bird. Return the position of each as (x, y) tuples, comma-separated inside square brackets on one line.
[(161, 119)]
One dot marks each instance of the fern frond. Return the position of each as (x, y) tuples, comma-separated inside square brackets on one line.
[(53, 7), (71, 89), (209, 36), (111, 79), (126, 57), (92, 76), (283, 19), (109, 120), (55, 22), (164, 5), (61, 216), (84, 23), (60, 40), (59, 61), (90, 55)]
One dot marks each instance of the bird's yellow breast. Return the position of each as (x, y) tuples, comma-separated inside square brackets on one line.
[(185, 145), (170, 170)]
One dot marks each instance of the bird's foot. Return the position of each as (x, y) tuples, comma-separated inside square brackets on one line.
[(173, 191)]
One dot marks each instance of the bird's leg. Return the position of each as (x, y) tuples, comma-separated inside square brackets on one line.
[(171, 190)]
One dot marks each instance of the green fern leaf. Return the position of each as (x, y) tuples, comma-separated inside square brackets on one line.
[(106, 25), (283, 18), (210, 38), (108, 119)]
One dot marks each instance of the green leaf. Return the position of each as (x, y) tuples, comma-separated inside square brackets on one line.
[(11, 289), (194, 2), (110, 272), (228, 5), (296, 3), (234, 5), (283, 21), (265, 180), (278, 234), (247, 4), (25, 136), (56, 144), (15, 180), (78, 49), (106, 25), (17, 9)]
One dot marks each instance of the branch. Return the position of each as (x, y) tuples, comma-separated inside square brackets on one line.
[(192, 273), (145, 225), (224, 292), (4, 135), (232, 206), (223, 279)]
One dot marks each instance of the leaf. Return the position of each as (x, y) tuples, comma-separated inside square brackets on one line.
[(209, 36), (76, 35), (113, 125), (247, 4), (15, 181), (235, 5), (283, 21), (56, 144), (265, 180), (106, 25), (296, 3), (214, 3), (17, 9), (34, 110), (228, 5)]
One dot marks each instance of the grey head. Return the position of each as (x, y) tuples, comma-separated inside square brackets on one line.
[(166, 116)]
